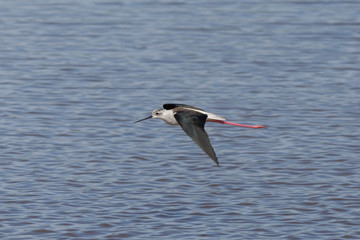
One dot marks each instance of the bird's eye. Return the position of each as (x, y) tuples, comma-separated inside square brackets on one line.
[(157, 113)]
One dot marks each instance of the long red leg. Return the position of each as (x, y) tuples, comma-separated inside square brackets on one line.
[(238, 124)]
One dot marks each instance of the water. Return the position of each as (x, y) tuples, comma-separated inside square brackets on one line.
[(76, 74)]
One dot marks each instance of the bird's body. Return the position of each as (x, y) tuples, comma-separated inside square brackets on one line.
[(192, 120), (168, 115)]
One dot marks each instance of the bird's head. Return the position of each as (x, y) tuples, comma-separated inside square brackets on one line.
[(158, 113)]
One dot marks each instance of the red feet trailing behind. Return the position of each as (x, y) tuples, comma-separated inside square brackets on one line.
[(238, 124)]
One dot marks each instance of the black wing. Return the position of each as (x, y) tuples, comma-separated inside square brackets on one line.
[(169, 106), (193, 124)]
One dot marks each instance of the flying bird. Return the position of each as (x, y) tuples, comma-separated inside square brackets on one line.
[(192, 120)]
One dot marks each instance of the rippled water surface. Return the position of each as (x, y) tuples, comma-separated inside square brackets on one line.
[(74, 75)]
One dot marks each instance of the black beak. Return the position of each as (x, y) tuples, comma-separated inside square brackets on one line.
[(143, 119)]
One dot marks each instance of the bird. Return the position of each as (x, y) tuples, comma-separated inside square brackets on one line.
[(192, 121)]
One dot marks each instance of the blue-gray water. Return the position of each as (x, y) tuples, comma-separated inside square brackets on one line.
[(74, 75)]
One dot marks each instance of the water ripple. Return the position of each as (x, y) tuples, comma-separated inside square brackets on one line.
[(74, 77)]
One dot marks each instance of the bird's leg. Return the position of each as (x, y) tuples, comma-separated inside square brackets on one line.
[(238, 124)]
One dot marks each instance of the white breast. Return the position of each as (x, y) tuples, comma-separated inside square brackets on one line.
[(168, 117)]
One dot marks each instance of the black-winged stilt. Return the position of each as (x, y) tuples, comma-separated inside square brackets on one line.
[(192, 121)]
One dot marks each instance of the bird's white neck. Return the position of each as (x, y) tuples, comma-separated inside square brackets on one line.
[(168, 117)]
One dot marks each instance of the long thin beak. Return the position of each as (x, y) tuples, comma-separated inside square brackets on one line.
[(143, 119)]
